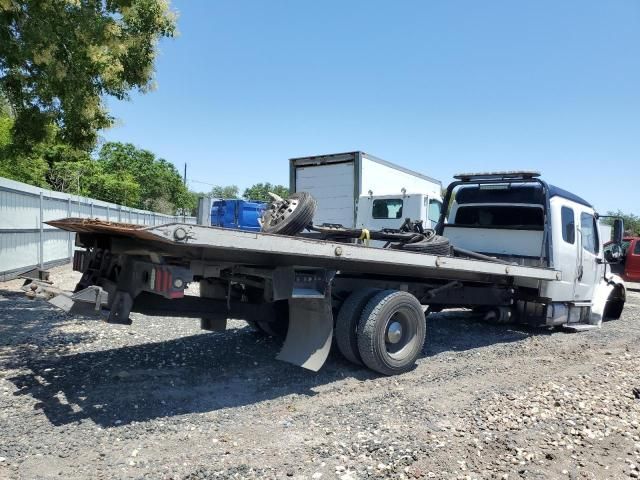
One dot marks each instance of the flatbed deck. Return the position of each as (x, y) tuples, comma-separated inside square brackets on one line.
[(213, 244)]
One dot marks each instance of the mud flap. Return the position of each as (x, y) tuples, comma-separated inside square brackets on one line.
[(310, 332), (121, 308)]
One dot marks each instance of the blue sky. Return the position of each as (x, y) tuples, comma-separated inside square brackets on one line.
[(437, 86)]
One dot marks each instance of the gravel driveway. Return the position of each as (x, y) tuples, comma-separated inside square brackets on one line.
[(162, 399)]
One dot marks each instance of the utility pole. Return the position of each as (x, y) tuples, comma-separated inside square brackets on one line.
[(184, 210)]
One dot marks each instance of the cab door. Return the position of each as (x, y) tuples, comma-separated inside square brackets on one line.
[(588, 271)]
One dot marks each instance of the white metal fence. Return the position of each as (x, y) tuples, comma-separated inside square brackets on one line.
[(26, 242)]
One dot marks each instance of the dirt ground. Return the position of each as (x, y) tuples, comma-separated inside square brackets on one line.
[(162, 399)]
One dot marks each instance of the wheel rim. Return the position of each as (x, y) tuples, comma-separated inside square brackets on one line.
[(400, 333), (278, 211), (394, 332)]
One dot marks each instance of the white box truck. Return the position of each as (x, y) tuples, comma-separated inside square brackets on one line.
[(355, 189)]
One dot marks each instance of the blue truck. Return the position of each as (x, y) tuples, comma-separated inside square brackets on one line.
[(236, 213)]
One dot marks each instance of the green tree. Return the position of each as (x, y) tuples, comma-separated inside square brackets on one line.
[(77, 177), (631, 222), (5, 108), (27, 168), (60, 58), (260, 191), (227, 191), (120, 187), (161, 187), (6, 124)]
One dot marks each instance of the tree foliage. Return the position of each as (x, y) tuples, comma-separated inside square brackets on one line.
[(28, 168), (121, 174), (59, 58), (631, 222), (160, 184), (260, 191), (225, 191)]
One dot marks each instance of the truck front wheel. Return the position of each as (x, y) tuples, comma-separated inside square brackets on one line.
[(391, 332), (615, 304)]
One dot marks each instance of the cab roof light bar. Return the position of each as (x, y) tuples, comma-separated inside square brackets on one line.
[(506, 175)]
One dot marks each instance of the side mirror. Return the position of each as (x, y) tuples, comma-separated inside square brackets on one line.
[(608, 256), (613, 254), (618, 231)]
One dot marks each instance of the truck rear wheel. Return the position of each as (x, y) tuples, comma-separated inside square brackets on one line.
[(347, 323), (391, 332)]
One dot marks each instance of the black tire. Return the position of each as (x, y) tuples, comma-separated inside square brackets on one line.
[(289, 221), (277, 322), (346, 333), (377, 350), (435, 245), (255, 327), (615, 304)]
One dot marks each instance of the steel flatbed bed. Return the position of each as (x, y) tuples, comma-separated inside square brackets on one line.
[(214, 244)]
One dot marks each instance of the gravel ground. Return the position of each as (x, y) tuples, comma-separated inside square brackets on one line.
[(161, 399)]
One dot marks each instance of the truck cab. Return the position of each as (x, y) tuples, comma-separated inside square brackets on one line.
[(520, 219)]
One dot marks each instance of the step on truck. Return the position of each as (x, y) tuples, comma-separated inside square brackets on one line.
[(509, 245)]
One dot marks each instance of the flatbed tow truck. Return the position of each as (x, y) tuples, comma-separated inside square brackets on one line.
[(512, 247)]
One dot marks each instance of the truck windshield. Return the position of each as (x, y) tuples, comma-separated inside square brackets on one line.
[(500, 216)]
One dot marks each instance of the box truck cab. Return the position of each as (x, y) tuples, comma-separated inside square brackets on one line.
[(358, 190)]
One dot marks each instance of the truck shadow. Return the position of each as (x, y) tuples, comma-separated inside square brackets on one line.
[(30, 325), (459, 330), (191, 374)]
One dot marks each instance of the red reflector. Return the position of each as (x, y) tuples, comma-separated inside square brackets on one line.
[(162, 279), (167, 280), (156, 283)]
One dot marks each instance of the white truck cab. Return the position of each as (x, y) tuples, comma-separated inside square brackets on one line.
[(517, 217)]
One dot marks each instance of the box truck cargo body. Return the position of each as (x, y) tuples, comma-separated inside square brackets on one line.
[(340, 181)]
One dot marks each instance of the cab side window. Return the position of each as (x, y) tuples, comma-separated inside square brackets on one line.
[(568, 225), (589, 230), (435, 207), (636, 249)]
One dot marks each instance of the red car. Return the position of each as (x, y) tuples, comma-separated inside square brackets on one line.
[(629, 267)]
